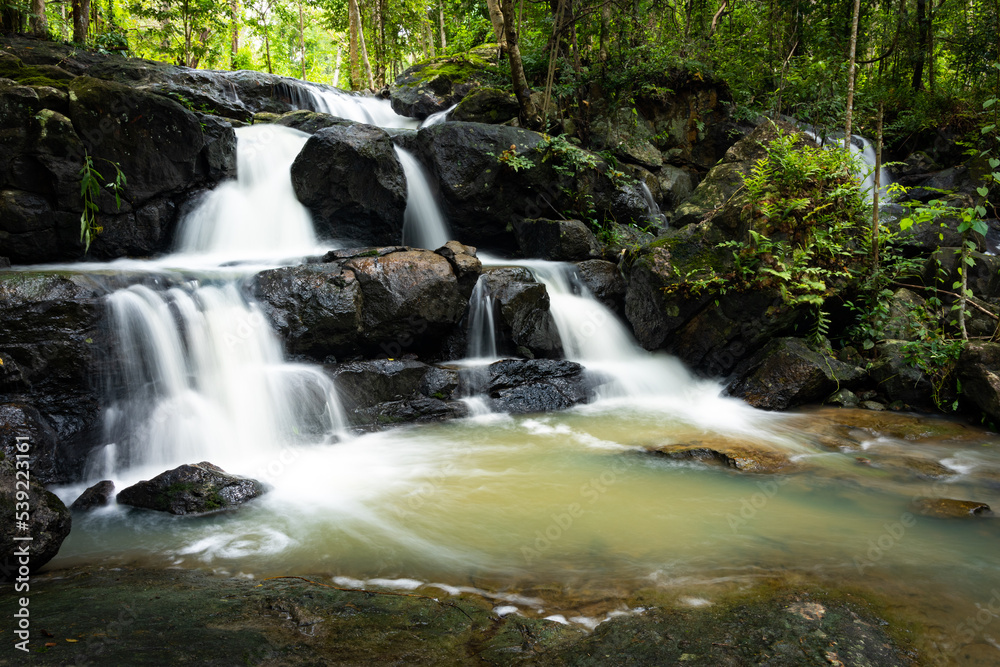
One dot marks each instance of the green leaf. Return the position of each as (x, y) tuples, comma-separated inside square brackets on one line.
[(994, 163), (983, 191), (989, 128), (990, 102), (905, 224)]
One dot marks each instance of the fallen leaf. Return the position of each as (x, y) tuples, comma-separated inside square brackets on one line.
[(49, 644), (72, 641)]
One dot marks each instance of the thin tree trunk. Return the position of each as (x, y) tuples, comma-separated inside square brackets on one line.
[(496, 18), (354, 60), (302, 39), (602, 54), (528, 114), (81, 20), (444, 38), (850, 72), (39, 24), (923, 30), (234, 44), (336, 68), (267, 48), (364, 53)]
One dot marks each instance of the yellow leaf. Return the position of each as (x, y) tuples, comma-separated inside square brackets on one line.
[(72, 641)]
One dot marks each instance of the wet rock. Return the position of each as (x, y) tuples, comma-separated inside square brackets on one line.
[(195, 488), (49, 348), (897, 379), (310, 122), (316, 308), (387, 392), (788, 373), (22, 423), (605, 282), (522, 386), (98, 495), (483, 197), (350, 179), (979, 373), (429, 87), (949, 508), (48, 521), (556, 240), (744, 457), (843, 397), (522, 311), (464, 263), (675, 186), (486, 105)]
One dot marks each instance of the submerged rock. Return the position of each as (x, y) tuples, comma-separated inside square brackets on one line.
[(46, 521), (744, 457), (949, 508), (521, 386), (192, 489), (788, 373), (98, 495)]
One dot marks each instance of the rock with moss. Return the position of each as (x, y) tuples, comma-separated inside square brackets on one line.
[(429, 87), (950, 508), (787, 373), (486, 105), (47, 523), (195, 488), (898, 379)]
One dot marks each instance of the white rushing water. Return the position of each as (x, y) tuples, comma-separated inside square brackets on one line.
[(437, 118), (652, 208), (423, 224), (864, 156), (198, 374), (258, 215), (482, 337), (371, 110)]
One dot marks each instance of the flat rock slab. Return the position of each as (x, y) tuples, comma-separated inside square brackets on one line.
[(739, 456)]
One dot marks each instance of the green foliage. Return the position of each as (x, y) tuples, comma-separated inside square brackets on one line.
[(90, 191), (511, 159)]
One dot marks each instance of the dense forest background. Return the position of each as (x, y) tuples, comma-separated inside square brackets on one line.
[(927, 63)]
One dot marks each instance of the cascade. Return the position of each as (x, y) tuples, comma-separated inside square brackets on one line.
[(371, 110), (864, 156), (257, 215), (438, 117), (482, 336), (652, 208), (423, 224)]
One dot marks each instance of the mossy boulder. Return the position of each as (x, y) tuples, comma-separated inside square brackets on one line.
[(197, 488), (429, 87), (486, 105)]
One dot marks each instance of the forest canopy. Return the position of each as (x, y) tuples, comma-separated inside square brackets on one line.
[(928, 63)]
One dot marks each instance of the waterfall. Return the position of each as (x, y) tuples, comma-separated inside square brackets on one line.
[(370, 110), (423, 224), (257, 215), (482, 337), (439, 117), (594, 337), (863, 153), (197, 373), (652, 208)]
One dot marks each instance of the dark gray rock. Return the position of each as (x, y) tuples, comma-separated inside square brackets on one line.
[(48, 521), (605, 282), (311, 122), (557, 240), (429, 87), (22, 423), (464, 263), (486, 105), (350, 179), (521, 386), (98, 495), (522, 312), (897, 379), (979, 373), (787, 373), (192, 489)]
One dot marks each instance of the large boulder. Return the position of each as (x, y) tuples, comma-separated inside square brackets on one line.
[(49, 353), (483, 196), (520, 386), (350, 179), (196, 488), (521, 311), (899, 380), (605, 281), (787, 373), (37, 513), (385, 392), (21, 422), (979, 373), (486, 105), (380, 301), (98, 495), (429, 87), (557, 240)]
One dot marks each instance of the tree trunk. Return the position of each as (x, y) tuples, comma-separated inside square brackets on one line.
[(602, 55), (302, 40), (267, 48), (39, 24), (923, 30), (444, 38), (336, 68), (850, 72), (81, 20), (234, 45), (354, 20), (878, 184), (496, 18), (528, 114), (364, 53)]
